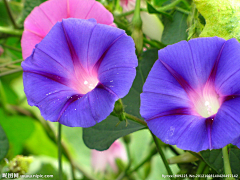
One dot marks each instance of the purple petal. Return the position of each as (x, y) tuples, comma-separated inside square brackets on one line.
[(228, 73), (48, 95), (159, 75), (120, 54), (78, 34), (186, 131), (90, 109), (114, 79), (100, 42), (58, 49), (69, 92), (42, 62), (194, 67), (205, 53), (226, 124), (155, 105)]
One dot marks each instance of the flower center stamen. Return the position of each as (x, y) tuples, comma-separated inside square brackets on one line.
[(208, 103)]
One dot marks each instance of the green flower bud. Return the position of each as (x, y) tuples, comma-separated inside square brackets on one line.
[(183, 158)]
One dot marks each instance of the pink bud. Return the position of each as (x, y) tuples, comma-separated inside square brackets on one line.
[(1, 50), (100, 159)]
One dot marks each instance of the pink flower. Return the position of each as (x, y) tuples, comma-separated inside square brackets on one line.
[(43, 18), (100, 159)]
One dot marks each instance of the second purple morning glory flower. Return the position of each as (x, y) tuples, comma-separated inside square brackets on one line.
[(191, 96), (78, 71)]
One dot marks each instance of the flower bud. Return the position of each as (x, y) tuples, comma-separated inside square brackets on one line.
[(101, 159), (183, 158)]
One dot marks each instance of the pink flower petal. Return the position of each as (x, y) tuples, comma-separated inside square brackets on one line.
[(42, 19), (100, 159)]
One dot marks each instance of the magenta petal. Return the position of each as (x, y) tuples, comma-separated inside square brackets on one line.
[(44, 17), (100, 159), (28, 42), (99, 11)]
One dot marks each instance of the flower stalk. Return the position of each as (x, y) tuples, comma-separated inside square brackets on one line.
[(227, 167), (162, 154), (59, 152), (11, 31), (137, 33)]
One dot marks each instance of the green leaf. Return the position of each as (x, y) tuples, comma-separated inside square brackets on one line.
[(39, 143), (29, 5), (4, 18), (132, 100), (3, 144), (176, 30), (18, 129), (222, 18), (234, 158), (214, 159), (159, 2), (103, 134)]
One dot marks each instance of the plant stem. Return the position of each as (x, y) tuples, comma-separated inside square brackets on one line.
[(200, 169), (162, 154), (10, 72), (133, 118), (227, 167), (182, 10), (12, 48), (169, 6), (129, 172), (59, 152), (137, 8), (10, 63), (11, 31), (10, 14), (128, 13), (148, 158), (155, 44)]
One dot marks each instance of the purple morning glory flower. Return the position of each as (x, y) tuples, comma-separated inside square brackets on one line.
[(191, 96), (78, 71)]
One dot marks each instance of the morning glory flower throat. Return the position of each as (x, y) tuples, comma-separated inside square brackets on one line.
[(78, 71), (191, 96)]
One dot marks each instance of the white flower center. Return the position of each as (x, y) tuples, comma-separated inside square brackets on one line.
[(208, 104)]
